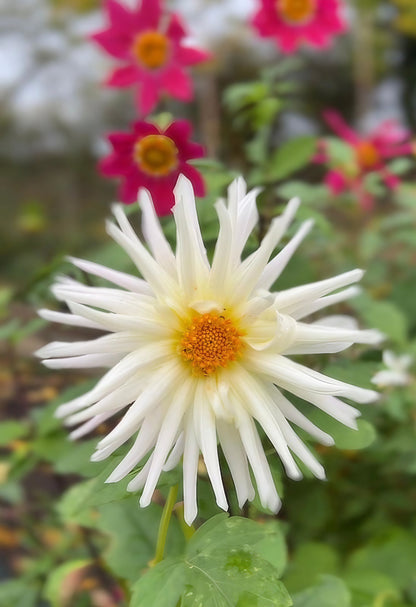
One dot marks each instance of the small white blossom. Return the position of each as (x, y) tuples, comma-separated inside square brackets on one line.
[(199, 353), (396, 373)]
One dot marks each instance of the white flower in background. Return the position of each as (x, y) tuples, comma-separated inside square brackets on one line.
[(198, 353), (396, 373)]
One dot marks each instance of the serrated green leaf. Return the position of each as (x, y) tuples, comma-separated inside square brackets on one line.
[(224, 569)]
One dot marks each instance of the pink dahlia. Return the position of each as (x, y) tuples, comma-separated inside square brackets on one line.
[(293, 22), (371, 153), (149, 43), (152, 158)]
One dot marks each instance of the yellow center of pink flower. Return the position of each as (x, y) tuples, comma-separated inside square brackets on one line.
[(151, 49), (210, 341), (367, 155), (156, 155), (296, 11)]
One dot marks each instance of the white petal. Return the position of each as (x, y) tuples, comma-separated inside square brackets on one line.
[(113, 343), (191, 258), (145, 440), (309, 307), (276, 266), (237, 461), (258, 462), (68, 319), (389, 377), (205, 431), (176, 454), (126, 281), (295, 416), (290, 300), (159, 280), (171, 423), (89, 425), (154, 235), (190, 472), (293, 376), (86, 361), (259, 404), (139, 481)]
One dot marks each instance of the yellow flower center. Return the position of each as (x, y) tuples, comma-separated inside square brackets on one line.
[(367, 155), (156, 155), (210, 341), (296, 11), (151, 49)]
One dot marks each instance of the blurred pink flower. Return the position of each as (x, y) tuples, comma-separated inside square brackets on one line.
[(149, 42), (152, 158), (293, 22), (371, 153)]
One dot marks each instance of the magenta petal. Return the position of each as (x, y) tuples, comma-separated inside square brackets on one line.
[(196, 179), (336, 182), (340, 127), (177, 83), (123, 77), (391, 181), (119, 15), (141, 128), (161, 191), (129, 190), (115, 44), (148, 15), (179, 131), (176, 30), (147, 95), (187, 55)]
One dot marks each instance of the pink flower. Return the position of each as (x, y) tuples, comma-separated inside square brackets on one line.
[(371, 153), (293, 22), (152, 158), (149, 43)]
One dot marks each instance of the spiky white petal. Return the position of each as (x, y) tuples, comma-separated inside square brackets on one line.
[(167, 411)]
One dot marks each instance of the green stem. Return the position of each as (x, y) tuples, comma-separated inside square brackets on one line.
[(187, 530), (164, 525)]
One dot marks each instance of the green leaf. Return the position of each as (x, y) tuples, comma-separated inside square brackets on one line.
[(18, 593), (55, 585), (129, 526), (398, 166), (224, 568), (161, 586), (382, 315), (392, 553), (329, 592), (290, 157), (310, 561), (11, 430), (310, 194), (339, 152), (272, 547), (345, 438)]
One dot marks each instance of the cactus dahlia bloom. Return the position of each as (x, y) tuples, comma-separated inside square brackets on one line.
[(150, 46), (294, 22), (199, 355)]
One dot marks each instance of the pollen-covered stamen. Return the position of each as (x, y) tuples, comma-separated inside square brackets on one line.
[(296, 11), (210, 341), (156, 155), (367, 155), (151, 49)]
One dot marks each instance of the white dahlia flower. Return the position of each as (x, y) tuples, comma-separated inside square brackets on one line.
[(397, 371), (198, 354)]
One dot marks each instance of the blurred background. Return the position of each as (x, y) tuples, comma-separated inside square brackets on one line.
[(54, 117)]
